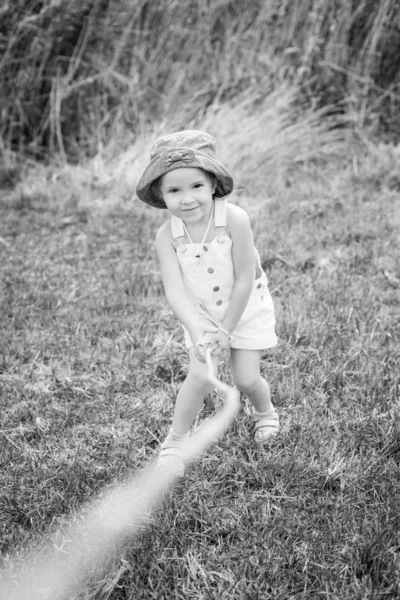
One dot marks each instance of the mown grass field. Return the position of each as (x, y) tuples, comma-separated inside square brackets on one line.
[(91, 360)]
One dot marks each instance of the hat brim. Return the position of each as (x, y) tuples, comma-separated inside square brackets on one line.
[(200, 160)]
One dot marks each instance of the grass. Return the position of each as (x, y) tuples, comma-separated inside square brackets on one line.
[(91, 361)]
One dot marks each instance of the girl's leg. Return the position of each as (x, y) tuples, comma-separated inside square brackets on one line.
[(247, 377), (191, 395), (188, 405)]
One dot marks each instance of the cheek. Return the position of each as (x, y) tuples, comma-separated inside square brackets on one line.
[(171, 203)]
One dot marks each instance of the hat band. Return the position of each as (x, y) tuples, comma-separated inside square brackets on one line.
[(177, 156)]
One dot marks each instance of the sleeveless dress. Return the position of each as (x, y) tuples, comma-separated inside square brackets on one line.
[(208, 276)]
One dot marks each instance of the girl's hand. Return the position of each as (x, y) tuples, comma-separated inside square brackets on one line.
[(199, 351), (218, 341), (200, 344)]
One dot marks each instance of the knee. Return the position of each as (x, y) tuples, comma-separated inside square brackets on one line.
[(199, 382), (248, 383)]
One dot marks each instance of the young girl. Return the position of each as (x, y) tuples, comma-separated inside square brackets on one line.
[(212, 278)]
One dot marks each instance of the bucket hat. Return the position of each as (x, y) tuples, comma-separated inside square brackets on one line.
[(188, 148)]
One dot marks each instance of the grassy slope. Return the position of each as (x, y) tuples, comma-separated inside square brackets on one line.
[(91, 361)]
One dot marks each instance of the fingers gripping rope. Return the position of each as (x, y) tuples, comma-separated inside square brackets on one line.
[(102, 527)]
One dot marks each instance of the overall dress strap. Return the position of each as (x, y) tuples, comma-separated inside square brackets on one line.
[(178, 233), (221, 206)]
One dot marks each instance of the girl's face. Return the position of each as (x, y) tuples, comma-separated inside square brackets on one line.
[(188, 193)]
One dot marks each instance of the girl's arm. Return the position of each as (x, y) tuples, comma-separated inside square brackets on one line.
[(243, 263), (173, 284)]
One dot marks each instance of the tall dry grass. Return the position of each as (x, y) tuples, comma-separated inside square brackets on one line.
[(72, 74)]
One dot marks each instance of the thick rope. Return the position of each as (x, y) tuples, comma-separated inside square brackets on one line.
[(102, 528)]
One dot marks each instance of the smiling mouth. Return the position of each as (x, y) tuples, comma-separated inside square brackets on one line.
[(189, 209)]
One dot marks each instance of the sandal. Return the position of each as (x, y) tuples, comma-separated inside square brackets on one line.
[(266, 426), (172, 455)]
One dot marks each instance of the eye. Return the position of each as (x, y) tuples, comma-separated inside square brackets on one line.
[(198, 185)]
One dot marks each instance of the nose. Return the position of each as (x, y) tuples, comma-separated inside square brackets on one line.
[(187, 199)]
